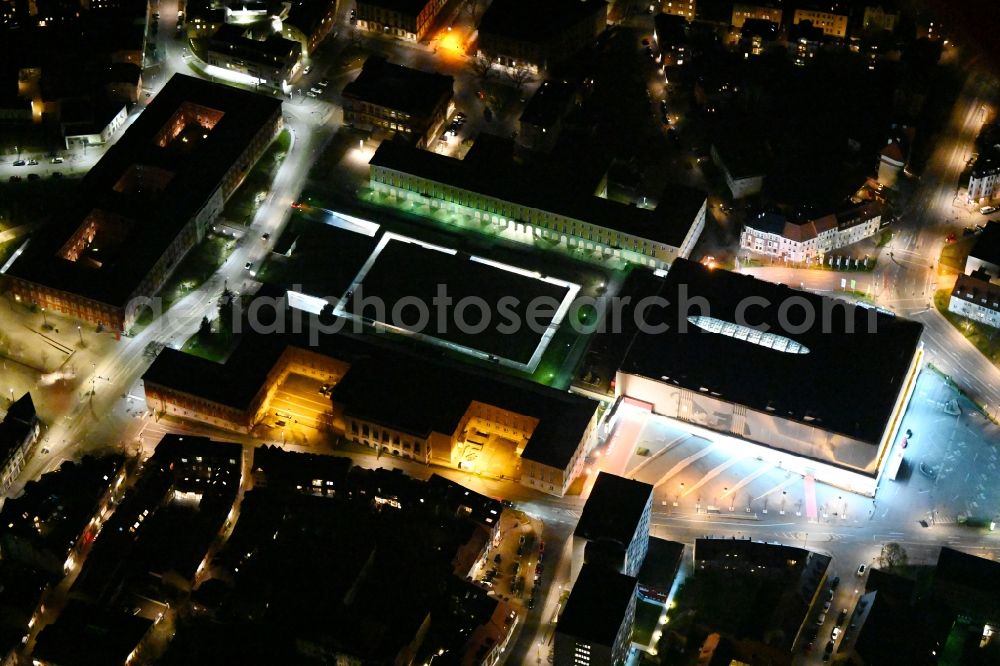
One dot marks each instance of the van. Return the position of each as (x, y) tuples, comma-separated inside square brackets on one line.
[(821, 619)]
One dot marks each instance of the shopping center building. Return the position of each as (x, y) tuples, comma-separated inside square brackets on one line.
[(807, 383)]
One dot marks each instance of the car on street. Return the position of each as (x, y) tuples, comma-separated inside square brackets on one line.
[(311, 94), (515, 568), (539, 568), (821, 619), (827, 604), (862, 569), (56, 160), (32, 162), (323, 84), (307, 69), (834, 582), (248, 265), (927, 470), (842, 617), (19, 163), (318, 91), (835, 634), (265, 236), (531, 602), (829, 647), (986, 210), (498, 559)]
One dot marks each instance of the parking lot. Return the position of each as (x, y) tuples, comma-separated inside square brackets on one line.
[(515, 568), (297, 405)]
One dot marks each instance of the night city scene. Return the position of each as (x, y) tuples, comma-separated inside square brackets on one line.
[(499, 332)]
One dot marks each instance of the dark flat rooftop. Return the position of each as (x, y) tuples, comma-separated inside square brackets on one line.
[(436, 402), (597, 604), (413, 7), (987, 247), (614, 509), (543, 190), (846, 383), (526, 20), (409, 273), (401, 88), (157, 218), (549, 103)]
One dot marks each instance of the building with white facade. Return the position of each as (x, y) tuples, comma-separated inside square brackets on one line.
[(815, 385), (743, 168), (614, 525), (976, 294), (832, 24), (984, 183), (18, 432), (808, 241)]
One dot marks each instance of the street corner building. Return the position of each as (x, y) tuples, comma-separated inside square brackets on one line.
[(737, 360), (399, 404), (146, 203)]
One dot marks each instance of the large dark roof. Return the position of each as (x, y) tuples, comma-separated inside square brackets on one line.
[(614, 509), (669, 223), (526, 20), (987, 247), (412, 7), (847, 382), (85, 635), (597, 604), (380, 387), (549, 103), (156, 218), (401, 88)]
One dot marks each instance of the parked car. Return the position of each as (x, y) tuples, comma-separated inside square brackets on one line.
[(19, 163), (32, 162), (834, 582), (265, 236), (515, 568), (835, 634), (842, 617), (862, 569), (986, 210), (821, 619), (56, 160), (248, 265)]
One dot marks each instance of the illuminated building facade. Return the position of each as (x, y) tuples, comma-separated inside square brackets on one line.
[(809, 240), (520, 34), (148, 201), (271, 61), (533, 206), (408, 102), (825, 399), (744, 11), (595, 628), (832, 24), (404, 19), (453, 415)]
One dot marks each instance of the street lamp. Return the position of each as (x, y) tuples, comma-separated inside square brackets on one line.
[(45, 320), (80, 331)]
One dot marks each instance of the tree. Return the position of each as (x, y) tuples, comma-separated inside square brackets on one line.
[(226, 312), (518, 76), (892, 555), (205, 330), (482, 66)]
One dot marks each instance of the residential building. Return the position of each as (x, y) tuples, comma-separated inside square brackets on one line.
[(833, 24), (685, 8), (670, 36), (407, 102), (271, 61), (526, 204), (308, 23), (115, 634), (976, 294), (616, 515), (877, 18), (839, 430), (518, 34), (984, 183), (18, 432), (774, 587), (149, 200), (976, 298), (745, 11), (540, 123), (985, 253), (808, 240), (595, 627), (742, 165), (404, 19)]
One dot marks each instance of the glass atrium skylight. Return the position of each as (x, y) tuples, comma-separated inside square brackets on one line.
[(752, 335)]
